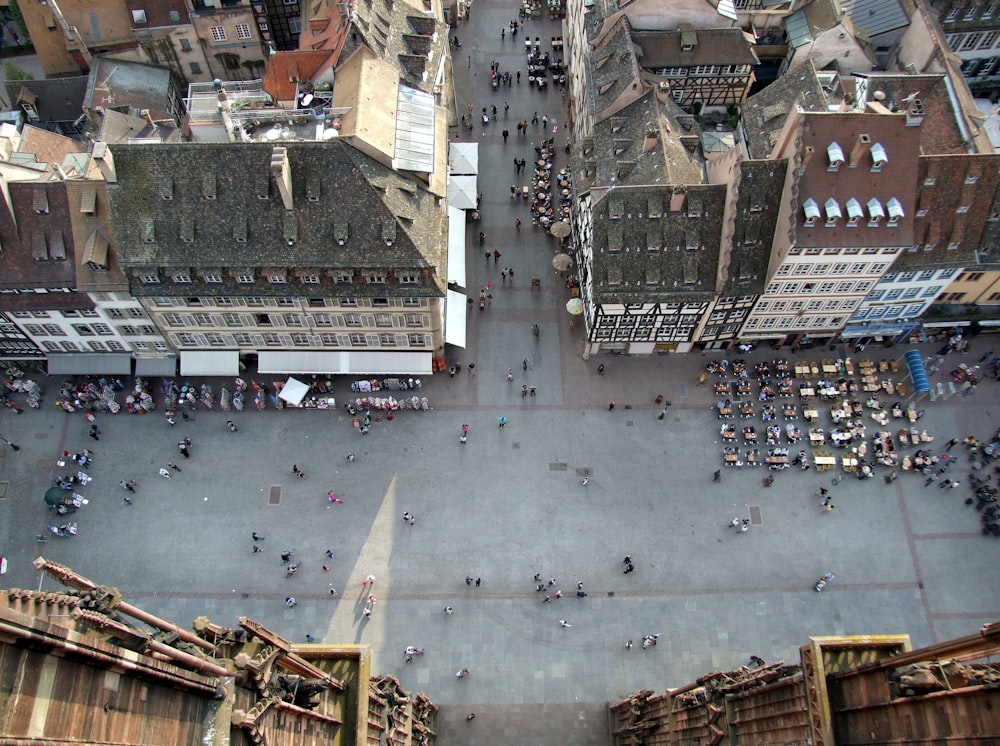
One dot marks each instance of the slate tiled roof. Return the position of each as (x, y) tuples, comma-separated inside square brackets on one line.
[(613, 68), (760, 196), (338, 192), (764, 113), (717, 46), (403, 35), (681, 269)]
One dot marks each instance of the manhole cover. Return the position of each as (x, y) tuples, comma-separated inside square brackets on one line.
[(755, 518), (629, 423), (516, 445), (557, 466), (275, 496)]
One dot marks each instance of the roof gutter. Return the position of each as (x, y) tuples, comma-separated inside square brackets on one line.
[(955, 107)]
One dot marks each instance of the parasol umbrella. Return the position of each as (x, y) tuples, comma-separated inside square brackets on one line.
[(54, 496), (560, 229), (562, 262), (574, 306)]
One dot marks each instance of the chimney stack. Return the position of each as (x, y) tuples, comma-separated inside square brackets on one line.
[(282, 175), (807, 155), (861, 146), (105, 161)]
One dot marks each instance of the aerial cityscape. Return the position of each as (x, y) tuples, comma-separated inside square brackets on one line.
[(577, 371)]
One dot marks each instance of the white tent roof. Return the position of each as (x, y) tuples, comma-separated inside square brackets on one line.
[(462, 192), (463, 158), (294, 391), (456, 247)]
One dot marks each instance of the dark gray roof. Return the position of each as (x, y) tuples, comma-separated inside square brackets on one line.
[(760, 189), (56, 100), (401, 36), (764, 113), (612, 67), (627, 221), (225, 201), (876, 16), (716, 46)]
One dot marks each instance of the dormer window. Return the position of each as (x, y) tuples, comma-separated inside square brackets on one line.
[(836, 156), (895, 208), (879, 158), (854, 212), (875, 212), (811, 209), (833, 213)]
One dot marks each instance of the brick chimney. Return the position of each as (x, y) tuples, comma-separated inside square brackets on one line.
[(861, 146), (282, 175)]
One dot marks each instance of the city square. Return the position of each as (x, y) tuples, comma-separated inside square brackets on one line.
[(492, 569)]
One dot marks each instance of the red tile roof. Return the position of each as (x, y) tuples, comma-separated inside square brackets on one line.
[(285, 69)]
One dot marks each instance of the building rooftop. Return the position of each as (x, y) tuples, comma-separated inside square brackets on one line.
[(876, 16), (764, 113), (689, 48), (319, 205), (131, 87)]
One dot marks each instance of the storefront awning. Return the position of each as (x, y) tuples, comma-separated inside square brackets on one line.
[(455, 318), (156, 366), (944, 324), (456, 246), (347, 362), (918, 372), (90, 363), (213, 363)]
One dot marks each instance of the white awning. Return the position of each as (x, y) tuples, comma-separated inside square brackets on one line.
[(90, 363), (344, 362), (456, 246), (156, 366), (944, 324), (456, 313), (293, 392), (210, 363)]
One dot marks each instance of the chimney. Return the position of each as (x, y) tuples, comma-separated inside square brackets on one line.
[(861, 146), (282, 175), (915, 113), (807, 155), (105, 161)]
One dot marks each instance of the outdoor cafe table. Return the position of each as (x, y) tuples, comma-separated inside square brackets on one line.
[(806, 391), (824, 460), (849, 462)]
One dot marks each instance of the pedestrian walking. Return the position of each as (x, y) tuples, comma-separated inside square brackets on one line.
[(505, 134), (510, 374), (478, 582), (448, 610), (506, 108), (256, 536), (628, 644), (563, 623), (183, 448), (462, 674), (547, 599), (503, 274), (545, 122), (127, 500), (611, 407), (496, 256), (510, 274), (368, 582), (952, 442), (164, 473), (585, 482), (717, 475), (257, 549), (519, 77), (534, 118), (600, 369), (468, 580), (524, 391), (310, 638), (501, 422), (524, 364), (472, 715), (559, 594), (472, 368), (532, 390), (290, 602), (517, 226)]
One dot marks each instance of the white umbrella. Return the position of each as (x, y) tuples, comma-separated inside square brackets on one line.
[(462, 192), (293, 392), (463, 157), (560, 229), (562, 262)]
